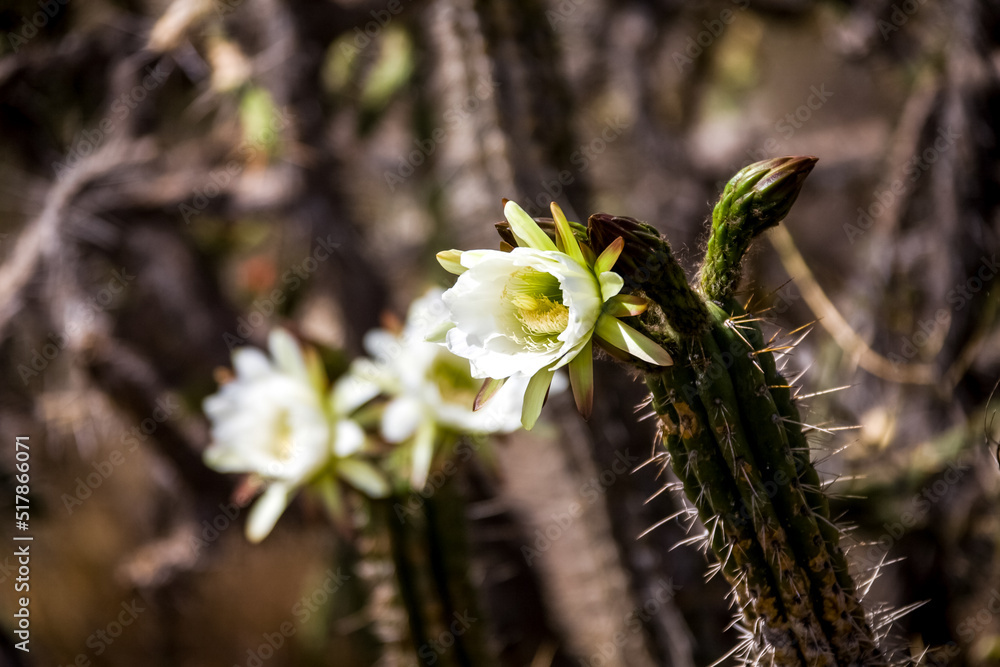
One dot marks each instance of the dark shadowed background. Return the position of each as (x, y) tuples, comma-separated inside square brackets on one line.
[(177, 177)]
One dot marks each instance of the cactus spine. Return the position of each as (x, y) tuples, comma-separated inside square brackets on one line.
[(734, 435)]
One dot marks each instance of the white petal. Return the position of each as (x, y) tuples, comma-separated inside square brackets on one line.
[(611, 284), (250, 363), (381, 344), (423, 455), (287, 354), (266, 511), (401, 418), (348, 438), (353, 390), (364, 477)]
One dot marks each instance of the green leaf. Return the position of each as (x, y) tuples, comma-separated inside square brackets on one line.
[(618, 334), (573, 352), (526, 231), (581, 379), (534, 397)]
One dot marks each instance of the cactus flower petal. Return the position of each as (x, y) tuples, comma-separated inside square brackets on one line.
[(364, 477), (266, 511), (611, 284), (581, 378), (526, 231), (451, 261), (626, 305), (423, 454), (606, 260), (487, 391), (620, 335), (534, 397), (564, 236)]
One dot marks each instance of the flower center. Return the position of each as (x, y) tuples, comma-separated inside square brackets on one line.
[(451, 375), (536, 298), (284, 444)]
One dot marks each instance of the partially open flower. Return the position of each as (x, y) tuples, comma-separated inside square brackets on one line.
[(277, 420), (430, 389), (537, 308)]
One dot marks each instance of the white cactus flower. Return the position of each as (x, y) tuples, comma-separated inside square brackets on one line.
[(429, 388), (277, 420), (530, 311)]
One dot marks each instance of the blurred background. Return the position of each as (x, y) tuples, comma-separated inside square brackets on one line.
[(177, 177)]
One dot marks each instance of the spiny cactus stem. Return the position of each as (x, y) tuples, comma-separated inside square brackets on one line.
[(718, 395), (777, 467), (406, 577), (776, 404), (696, 460)]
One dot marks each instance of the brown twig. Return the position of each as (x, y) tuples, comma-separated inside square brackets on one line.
[(842, 332)]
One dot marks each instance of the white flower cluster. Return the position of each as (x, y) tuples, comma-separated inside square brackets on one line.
[(278, 419), (512, 320)]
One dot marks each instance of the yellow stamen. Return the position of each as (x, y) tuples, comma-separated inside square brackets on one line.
[(537, 302), (284, 444)]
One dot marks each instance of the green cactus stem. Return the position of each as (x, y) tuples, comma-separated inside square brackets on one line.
[(734, 435)]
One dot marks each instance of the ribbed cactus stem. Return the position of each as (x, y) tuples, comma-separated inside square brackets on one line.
[(708, 485), (783, 411), (733, 433)]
